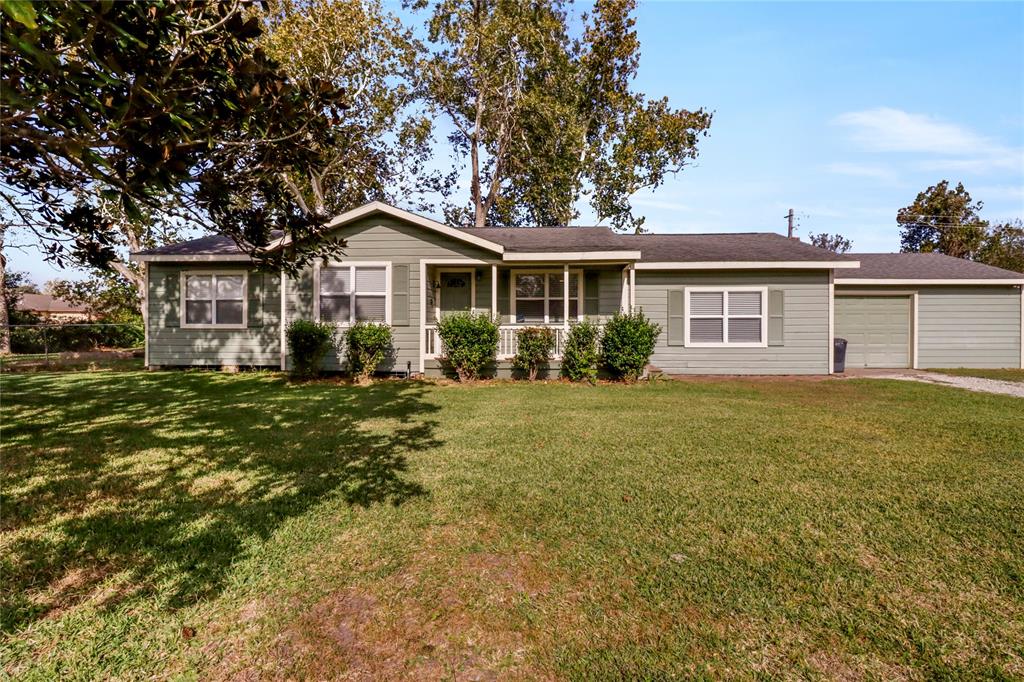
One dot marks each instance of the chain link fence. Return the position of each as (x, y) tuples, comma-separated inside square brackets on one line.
[(47, 338)]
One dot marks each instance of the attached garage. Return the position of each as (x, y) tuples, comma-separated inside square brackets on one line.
[(927, 310), (877, 330)]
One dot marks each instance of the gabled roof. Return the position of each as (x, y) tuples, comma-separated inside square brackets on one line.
[(45, 303), (742, 247), (925, 267)]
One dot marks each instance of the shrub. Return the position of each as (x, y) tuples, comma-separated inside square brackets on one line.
[(533, 349), (308, 344), (366, 346), (77, 337), (470, 342), (580, 354), (627, 344)]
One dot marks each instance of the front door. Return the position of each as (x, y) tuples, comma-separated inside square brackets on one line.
[(456, 293)]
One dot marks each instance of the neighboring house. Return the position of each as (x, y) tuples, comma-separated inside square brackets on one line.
[(53, 309), (751, 303)]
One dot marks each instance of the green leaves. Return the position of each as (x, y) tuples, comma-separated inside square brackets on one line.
[(20, 11)]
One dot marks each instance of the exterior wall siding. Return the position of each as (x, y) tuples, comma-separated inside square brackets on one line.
[(969, 327), (805, 324), (173, 345)]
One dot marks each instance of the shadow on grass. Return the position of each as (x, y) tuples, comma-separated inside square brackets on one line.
[(166, 479)]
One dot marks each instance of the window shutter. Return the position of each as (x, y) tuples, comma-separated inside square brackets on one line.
[(776, 317), (676, 317), (255, 294), (172, 299), (400, 295), (591, 293)]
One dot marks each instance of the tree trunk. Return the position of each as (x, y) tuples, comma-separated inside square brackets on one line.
[(5, 327)]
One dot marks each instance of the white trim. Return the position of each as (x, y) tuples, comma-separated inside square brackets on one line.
[(418, 220), (831, 321), (283, 320), (913, 330), (187, 258), (455, 261), (547, 294), (624, 296), (423, 314), (632, 288), (353, 265), (875, 292), (472, 289), (145, 316), (950, 282), (749, 265), (213, 274), (494, 291), (565, 297), (570, 255), (1022, 328), (725, 343)]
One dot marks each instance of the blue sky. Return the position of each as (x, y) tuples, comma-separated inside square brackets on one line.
[(841, 111)]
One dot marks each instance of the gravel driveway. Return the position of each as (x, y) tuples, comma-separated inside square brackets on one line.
[(978, 384)]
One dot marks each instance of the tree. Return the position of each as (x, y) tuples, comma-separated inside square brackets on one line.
[(109, 297), (121, 109), (942, 220), (384, 140), (544, 118), (831, 242), (1004, 246)]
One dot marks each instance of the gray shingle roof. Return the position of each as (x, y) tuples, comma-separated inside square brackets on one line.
[(922, 266), (737, 246), (548, 239)]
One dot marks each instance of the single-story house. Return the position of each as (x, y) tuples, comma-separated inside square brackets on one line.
[(53, 309), (746, 303)]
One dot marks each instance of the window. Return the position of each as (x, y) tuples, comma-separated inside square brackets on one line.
[(352, 293), (726, 317), (213, 299), (538, 297)]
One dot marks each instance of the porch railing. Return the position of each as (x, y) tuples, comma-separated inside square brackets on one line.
[(508, 340)]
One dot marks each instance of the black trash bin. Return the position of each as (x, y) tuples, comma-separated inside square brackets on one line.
[(839, 355)]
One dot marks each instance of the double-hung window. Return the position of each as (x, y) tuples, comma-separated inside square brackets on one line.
[(538, 297), (213, 299), (733, 316), (354, 292)]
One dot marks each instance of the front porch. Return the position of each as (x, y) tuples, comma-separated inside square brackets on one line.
[(549, 295)]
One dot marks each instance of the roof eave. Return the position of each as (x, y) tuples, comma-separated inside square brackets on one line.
[(922, 281), (748, 265), (188, 257), (569, 256)]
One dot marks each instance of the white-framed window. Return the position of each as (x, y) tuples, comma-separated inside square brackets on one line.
[(214, 299), (353, 292), (726, 316), (538, 296)]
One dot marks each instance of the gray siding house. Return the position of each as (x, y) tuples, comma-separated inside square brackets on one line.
[(750, 303)]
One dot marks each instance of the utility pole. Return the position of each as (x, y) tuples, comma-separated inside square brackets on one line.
[(790, 217)]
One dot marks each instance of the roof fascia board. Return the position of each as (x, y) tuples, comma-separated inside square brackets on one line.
[(188, 258), (534, 256), (750, 265), (902, 281)]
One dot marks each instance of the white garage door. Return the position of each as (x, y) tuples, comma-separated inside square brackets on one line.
[(876, 328)]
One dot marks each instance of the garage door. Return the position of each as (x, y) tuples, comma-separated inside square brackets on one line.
[(876, 328)]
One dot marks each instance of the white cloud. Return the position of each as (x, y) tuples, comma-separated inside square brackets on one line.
[(998, 192), (888, 130), (863, 170)]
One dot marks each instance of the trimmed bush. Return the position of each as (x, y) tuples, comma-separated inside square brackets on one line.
[(534, 346), (580, 354), (308, 344), (470, 342), (366, 346), (627, 344)]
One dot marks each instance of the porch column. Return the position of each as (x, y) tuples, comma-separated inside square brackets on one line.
[(494, 291), (632, 288), (423, 316), (624, 302), (565, 298)]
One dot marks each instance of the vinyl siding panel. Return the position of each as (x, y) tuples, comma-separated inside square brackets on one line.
[(172, 345), (805, 324), (968, 327)]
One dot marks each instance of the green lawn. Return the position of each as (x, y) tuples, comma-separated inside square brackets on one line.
[(1009, 374), (206, 525)]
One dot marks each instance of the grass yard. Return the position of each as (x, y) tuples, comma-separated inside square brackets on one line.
[(216, 526), (1008, 374)]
